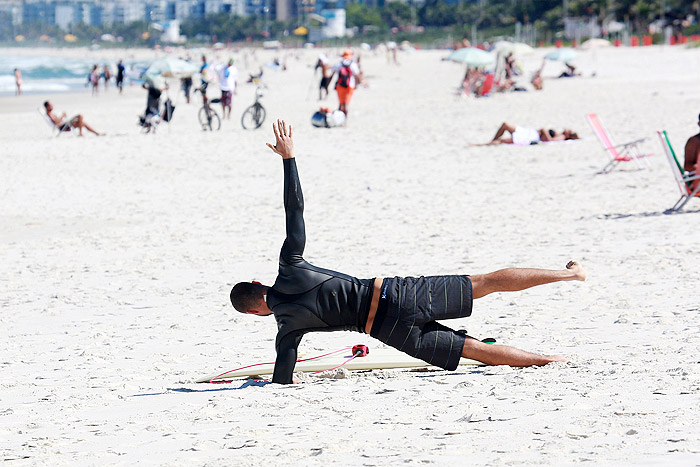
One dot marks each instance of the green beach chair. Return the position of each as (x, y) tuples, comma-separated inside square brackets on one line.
[(683, 179)]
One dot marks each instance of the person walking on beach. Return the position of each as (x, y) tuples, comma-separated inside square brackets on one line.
[(692, 156), (106, 76), (204, 70), (326, 75), (94, 79), (120, 76), (401, 311), (522, 136), (348, 78), (62, 124), (18, 82), (228, 75)]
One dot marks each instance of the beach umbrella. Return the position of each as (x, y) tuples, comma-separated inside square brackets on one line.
[(70, 38), (517, 48), (107, 38), (300, 31), (595, 44), (170, 68), (561, 55), (19, 38), (156, 81), (472, 57)]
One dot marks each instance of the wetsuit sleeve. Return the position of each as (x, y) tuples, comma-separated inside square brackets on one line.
[(286, 358), (293, 247)]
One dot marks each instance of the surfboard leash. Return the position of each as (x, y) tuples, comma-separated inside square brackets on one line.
[(357, 351)]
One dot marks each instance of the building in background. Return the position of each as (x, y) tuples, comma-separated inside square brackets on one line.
[(69, 13)]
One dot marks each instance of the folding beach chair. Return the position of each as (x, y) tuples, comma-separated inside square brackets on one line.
[(683, 179), (627, 152), (55, 131)]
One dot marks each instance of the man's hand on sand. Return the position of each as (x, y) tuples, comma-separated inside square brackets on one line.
[(284, 145)]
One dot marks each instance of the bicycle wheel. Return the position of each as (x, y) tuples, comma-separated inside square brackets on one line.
[(259, 115), (210, 122), (253, 117)]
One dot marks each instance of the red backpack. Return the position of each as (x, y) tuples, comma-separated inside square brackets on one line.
[(344, 75)]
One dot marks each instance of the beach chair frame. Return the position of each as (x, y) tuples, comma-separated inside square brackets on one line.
[(625, 152), (683, 179), (55, 130)]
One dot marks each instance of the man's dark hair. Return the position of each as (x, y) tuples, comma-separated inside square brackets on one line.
[(245, 296), (46, 104)]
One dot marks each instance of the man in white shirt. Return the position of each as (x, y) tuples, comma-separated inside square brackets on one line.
[(228, 75)]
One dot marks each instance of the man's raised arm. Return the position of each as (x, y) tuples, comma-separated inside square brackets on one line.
[(293, 247)]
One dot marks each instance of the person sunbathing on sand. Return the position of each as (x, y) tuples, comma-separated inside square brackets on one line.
[(402, 312), (65, 125), (522, 136)]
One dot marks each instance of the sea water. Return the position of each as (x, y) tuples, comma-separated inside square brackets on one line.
[(51, 74)]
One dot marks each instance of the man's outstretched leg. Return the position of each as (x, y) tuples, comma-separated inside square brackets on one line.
[(510, 280), (514, 279), (493, 354)]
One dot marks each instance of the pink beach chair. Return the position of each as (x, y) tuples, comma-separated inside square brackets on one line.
[(618, 153), (488, 84), (684, 180)]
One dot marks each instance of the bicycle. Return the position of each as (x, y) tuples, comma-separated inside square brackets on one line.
[(254, 116), (208, 117)]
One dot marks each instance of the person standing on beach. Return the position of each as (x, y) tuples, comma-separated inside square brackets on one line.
[(326, 75), (106, 76), (120, 76), (94, 79), (186, 86), (204, 70), (401, 311), (228, 74), (18, 82), (348, 78), (692, 156)]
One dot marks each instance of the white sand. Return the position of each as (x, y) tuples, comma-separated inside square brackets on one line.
[(117, 255)]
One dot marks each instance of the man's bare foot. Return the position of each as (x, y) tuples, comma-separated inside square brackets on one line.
[(577, 269)]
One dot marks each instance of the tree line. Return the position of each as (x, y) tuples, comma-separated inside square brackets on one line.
[(457, 17)]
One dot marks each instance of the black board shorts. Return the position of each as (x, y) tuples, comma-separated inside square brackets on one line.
[(407, 315)]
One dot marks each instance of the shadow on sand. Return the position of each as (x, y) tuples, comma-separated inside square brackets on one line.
[(248, 383)]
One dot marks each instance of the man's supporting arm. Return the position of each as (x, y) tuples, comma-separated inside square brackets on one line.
[(286, 359)]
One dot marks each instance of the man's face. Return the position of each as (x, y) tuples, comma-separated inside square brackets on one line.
[(49, 107)]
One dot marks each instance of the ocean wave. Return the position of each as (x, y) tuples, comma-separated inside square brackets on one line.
[(7, 85)]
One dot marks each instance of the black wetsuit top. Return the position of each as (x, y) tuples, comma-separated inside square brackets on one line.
[(305, 298)]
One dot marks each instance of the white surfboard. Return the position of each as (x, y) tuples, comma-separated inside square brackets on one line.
[(377, 359)]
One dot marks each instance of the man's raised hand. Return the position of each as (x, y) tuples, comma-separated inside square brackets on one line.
[(284, 145)]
